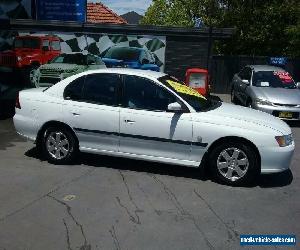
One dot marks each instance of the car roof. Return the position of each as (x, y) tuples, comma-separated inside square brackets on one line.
[(136, 72), (57, 88), (265, 68)]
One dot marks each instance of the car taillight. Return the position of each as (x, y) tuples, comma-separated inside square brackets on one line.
[(18, 105)]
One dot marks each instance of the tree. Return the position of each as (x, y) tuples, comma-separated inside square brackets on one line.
[(270, 27), (169, 13), (261, 27), (182, 12)]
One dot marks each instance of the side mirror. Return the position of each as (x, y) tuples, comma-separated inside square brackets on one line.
[(91, 63), (298, 85), (246, 82), (175, 107)]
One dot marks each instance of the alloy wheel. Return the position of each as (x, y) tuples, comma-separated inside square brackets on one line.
[(232, 164), (57, 145)]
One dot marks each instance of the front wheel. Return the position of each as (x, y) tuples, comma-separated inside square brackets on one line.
[(249, 104), (233, 96), (59, 145), (234, 163)]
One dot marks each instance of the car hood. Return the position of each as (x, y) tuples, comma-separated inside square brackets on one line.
[(278, 95), (242, 117), (62, 66)]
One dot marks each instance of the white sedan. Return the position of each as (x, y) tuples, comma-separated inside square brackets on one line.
[(152, 116)]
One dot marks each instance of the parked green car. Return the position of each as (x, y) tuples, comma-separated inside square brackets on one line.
[(63, 66)]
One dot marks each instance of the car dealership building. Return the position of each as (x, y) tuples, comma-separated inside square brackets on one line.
[(175, 49)]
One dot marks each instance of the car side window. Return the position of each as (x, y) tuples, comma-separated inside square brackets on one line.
[(74, 90), (55, 45), (245, 74), (141, 93), (101, 89), (46, 44)]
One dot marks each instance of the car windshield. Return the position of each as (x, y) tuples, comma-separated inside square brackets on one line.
[(31, 43), (125, 54), (273, 79), (191, 96), (79, 59)]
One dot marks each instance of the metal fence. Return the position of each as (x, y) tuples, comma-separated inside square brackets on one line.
[(222, 69)]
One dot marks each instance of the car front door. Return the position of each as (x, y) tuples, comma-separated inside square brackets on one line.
[(146, 128), (245, 74), (91, 109), (243, 86)]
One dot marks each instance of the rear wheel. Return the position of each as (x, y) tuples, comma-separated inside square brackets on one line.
[(59, 145), (234, 163)]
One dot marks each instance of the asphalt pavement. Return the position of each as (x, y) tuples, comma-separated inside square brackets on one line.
[(114, 203)]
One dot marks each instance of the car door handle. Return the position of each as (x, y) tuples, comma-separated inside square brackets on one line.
[(129, 121)]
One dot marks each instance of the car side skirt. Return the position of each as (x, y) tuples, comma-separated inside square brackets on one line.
[(142, 157)]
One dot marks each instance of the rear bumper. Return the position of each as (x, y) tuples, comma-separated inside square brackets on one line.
[(25, 127), (276, 159)]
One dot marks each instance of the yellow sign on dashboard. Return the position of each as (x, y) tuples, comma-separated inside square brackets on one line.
[(184, 89)]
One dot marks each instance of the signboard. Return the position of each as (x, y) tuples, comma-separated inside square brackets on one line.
[(278, 61), (67, 10)]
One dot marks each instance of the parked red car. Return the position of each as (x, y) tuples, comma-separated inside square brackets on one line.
[(198, 79), (29, 52)]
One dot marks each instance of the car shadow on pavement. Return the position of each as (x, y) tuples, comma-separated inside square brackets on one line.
[(119, 163), (8, 136), (275, 180)]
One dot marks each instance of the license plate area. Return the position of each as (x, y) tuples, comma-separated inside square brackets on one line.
[(287, 115)]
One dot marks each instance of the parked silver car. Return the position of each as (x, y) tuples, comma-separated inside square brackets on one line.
[(269, 89)]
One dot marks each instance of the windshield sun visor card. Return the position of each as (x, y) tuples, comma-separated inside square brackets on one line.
[(284, 76), (184, 89)]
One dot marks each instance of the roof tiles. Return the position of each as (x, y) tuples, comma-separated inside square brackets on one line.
[(99, 13)]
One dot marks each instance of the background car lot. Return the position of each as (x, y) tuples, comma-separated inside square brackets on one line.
[(126, 204)]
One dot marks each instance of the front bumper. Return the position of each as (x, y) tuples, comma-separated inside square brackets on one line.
[(276, 159), (275, 110)]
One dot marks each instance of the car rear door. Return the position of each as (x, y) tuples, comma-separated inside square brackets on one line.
[(146, 128), (91, 109)]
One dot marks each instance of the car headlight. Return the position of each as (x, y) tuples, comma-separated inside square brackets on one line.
[(263, 102), (284, 140)]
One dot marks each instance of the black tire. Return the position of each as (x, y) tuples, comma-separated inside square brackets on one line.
[(233, 97), (66, 149), (249, 104), (249, 170)]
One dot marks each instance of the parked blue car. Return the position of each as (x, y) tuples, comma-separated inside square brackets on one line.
[(130, 57)]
